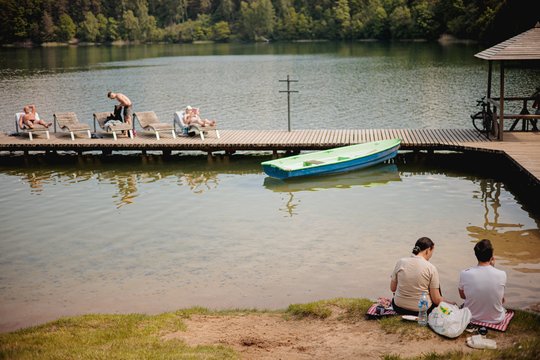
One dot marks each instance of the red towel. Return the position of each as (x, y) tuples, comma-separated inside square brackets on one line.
[(372, 311), (499, 326)]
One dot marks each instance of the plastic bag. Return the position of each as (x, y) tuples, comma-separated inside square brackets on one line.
[(449, 320)]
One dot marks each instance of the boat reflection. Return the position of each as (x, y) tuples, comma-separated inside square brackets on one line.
[(518, 247), (373, 176)]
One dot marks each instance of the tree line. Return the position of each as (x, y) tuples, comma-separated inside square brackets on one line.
[(105, 21)]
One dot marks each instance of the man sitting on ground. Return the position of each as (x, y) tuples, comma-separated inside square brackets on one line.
[(29, 118), (482, 286)]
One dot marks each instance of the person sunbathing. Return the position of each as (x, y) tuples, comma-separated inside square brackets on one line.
[(29, 118), (192, 117)]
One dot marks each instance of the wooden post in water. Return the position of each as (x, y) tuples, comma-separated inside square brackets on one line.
[(288, 91)]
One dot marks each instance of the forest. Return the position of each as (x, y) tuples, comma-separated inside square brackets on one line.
[(184, 21)]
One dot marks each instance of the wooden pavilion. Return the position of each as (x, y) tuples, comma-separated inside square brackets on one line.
[(524, 47)]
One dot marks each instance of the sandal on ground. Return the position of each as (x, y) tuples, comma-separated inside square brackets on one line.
[(480, 342)]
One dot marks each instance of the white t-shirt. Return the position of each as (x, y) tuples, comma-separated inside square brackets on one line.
[(484, 292), (414, 275)]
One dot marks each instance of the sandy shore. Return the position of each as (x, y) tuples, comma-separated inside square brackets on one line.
[(272, 336)]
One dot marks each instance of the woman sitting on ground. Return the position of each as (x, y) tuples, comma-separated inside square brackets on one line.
[(192, 117), (414, 275)]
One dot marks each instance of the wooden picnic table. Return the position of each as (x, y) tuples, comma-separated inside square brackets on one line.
[(525, 116)]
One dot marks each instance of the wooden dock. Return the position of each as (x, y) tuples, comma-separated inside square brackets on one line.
[(523, 148)]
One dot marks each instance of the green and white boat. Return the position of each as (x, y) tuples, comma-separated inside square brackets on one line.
[(334, 160)]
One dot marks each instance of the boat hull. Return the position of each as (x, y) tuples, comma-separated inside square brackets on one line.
[(332, 160)]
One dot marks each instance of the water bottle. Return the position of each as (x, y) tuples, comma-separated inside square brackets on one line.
[(422, 309)]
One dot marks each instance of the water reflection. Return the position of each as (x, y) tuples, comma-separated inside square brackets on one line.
[(127, 178), (518, 246), (127, 189), (200, 182), (263, 243), (35, 181), (373, 176)]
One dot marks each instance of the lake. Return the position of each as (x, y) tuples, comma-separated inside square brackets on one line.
[(127, 233), (341, 85)]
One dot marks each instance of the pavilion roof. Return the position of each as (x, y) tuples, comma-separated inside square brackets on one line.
[(525, 46)]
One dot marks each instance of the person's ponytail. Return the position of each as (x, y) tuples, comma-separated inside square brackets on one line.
[(422, 244)]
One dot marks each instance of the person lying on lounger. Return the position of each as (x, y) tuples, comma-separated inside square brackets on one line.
[(192, 117), (29, 118)]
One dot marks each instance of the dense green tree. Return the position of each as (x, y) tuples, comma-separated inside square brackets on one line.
[(78, 9), (130, 29), (225, 10), (66, 28), (374, 20), (400, 22), (221, 31), (343, 18), (48, 29), (113, 32), (257, 19), (89, 29), (180, 20), (424, 23)]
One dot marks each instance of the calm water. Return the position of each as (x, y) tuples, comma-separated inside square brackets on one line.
[(359, 85), (143, 234), (148, 235)]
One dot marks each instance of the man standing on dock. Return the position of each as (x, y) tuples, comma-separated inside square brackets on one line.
[(125, 102)]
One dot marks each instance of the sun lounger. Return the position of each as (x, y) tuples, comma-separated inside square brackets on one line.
[(112, 126), (149, 121), (37, 127), (68, 121), (191, 129)]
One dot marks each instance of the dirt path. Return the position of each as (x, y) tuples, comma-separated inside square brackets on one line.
[(271, 336)]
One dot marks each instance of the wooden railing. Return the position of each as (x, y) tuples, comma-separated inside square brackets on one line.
[(526, 116)]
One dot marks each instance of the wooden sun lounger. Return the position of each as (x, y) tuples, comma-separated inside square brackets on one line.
[(149, 121), (101, 119), (68, 121)]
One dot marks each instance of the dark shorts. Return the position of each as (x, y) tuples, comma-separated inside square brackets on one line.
[(127, 111), (402, 311)]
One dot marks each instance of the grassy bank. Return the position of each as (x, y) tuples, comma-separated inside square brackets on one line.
[(137, 336)]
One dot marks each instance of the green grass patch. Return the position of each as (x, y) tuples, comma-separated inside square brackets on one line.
[(343, 308), (525, 322), (137, 336), (407, 330), (133, 336)]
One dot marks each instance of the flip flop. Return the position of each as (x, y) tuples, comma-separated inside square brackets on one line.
[(480, 342)]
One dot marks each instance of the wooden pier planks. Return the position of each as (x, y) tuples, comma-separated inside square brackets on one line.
[(522, 147)]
